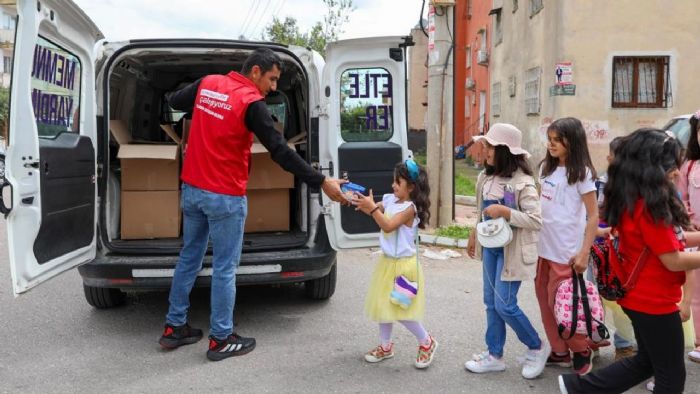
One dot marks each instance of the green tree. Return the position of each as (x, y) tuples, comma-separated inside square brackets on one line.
[(286, 31)]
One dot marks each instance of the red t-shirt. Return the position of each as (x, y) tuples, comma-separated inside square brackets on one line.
[(658, 290)]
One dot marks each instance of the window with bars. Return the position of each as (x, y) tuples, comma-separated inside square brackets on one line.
[(498, 34), (532, 90), (535, 7), (496, 99), (641, 82)]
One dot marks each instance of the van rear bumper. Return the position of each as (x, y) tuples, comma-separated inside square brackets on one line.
[(155, 272)]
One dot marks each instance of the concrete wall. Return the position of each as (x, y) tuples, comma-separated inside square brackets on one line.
[(589, 34), (418, 80)]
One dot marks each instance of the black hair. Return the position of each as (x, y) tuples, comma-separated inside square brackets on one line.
[(578, 160), (693, 150), (615, 145), (420, 195), (506, 163), (639, 171), (264, 58)]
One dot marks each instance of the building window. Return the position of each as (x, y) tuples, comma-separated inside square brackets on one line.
[(467, 106), (511, 86), (469, 8), (6, 64), (515, 5), (496, 99), (498, 34), (535, 7), (641, 82), (532, 90), (469, 56)]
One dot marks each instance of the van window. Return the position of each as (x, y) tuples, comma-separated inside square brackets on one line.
[(55, 89), (8, 14), (366, 105)]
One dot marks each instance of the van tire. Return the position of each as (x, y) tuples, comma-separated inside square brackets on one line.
[(322, 288), (103, 298)]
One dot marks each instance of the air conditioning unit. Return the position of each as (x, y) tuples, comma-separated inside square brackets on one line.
[(482, 57), (470, 84)]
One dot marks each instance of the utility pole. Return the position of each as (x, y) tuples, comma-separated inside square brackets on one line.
[(439, 128)]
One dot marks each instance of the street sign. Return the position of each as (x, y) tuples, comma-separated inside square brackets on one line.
[(562, 90)]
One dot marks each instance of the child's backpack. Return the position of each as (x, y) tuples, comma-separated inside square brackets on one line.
[(579, 310), (613, 282)]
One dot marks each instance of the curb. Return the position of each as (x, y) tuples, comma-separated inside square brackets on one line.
[(465, 200), (434, 240)]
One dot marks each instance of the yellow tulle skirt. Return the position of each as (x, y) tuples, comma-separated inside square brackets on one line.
[(378, 306)]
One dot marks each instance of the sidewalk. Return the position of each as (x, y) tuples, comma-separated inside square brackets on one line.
[(465, 215)]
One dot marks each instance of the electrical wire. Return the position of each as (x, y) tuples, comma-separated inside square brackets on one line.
[(262, 17), (246, 23), (420, 19)]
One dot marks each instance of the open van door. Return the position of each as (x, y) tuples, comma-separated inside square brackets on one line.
[(362, 127), (49, 195)]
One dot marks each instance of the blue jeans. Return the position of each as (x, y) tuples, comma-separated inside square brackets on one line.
[(501, 300), (219, 217)]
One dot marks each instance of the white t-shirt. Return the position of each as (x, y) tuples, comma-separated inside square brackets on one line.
[(402, 241), (563, 215)]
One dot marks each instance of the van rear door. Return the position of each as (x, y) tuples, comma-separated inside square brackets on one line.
[(50, 162), (363, 127)]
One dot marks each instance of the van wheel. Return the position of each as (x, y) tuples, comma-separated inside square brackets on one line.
[(103, 298), (322, 288)]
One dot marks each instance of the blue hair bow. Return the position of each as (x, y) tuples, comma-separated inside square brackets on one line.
[(412, 169)]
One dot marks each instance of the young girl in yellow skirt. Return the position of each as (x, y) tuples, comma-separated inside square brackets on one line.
[(397, 288)]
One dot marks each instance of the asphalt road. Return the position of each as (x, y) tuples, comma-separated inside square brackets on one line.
[(53, 341)]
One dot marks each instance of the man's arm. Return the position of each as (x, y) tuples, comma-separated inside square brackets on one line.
[(259, 121), (183, 99)]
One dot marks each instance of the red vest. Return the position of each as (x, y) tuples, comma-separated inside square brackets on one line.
[(218, 146)]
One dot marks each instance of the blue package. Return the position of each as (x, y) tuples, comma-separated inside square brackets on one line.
[(351, 188)]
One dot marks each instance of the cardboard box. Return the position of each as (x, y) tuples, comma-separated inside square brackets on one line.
[(145, 166), (150, 214), (265, 173), (268, 210)]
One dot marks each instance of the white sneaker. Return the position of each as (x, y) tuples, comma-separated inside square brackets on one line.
[(562, 385), (535, 361), (485, 362)]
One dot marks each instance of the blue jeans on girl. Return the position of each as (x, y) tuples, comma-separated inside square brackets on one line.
[(501, 300), (219, 217)]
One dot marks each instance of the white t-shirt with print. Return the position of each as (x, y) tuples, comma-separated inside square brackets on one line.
[(563, 215), (402, 241)]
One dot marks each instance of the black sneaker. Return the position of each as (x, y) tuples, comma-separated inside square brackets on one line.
[(234, 345), (174, 337), (559, 361), (583, 362)]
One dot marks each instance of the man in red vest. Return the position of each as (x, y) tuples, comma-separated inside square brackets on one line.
[(226, 111)]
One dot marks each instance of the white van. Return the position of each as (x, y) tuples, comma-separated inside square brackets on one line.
[(64, 196)]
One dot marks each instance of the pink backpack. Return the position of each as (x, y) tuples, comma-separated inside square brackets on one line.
[(584, 311)]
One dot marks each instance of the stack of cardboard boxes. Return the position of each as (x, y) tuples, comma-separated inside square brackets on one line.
[(268, 193), (150, 198), (150, 186)]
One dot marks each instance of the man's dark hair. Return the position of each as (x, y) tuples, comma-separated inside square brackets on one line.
[(264, 58)]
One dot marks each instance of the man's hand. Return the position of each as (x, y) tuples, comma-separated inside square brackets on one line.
[(331, 187)]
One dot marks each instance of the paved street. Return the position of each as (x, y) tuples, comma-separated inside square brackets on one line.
[(53, 341)]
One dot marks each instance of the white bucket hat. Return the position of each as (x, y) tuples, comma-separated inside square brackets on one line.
[(505, 134)]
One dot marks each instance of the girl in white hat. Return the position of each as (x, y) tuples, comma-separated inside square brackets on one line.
[(507, 189)]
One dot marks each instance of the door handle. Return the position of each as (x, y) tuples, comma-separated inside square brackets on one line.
[(32, 164), (4, 209)]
